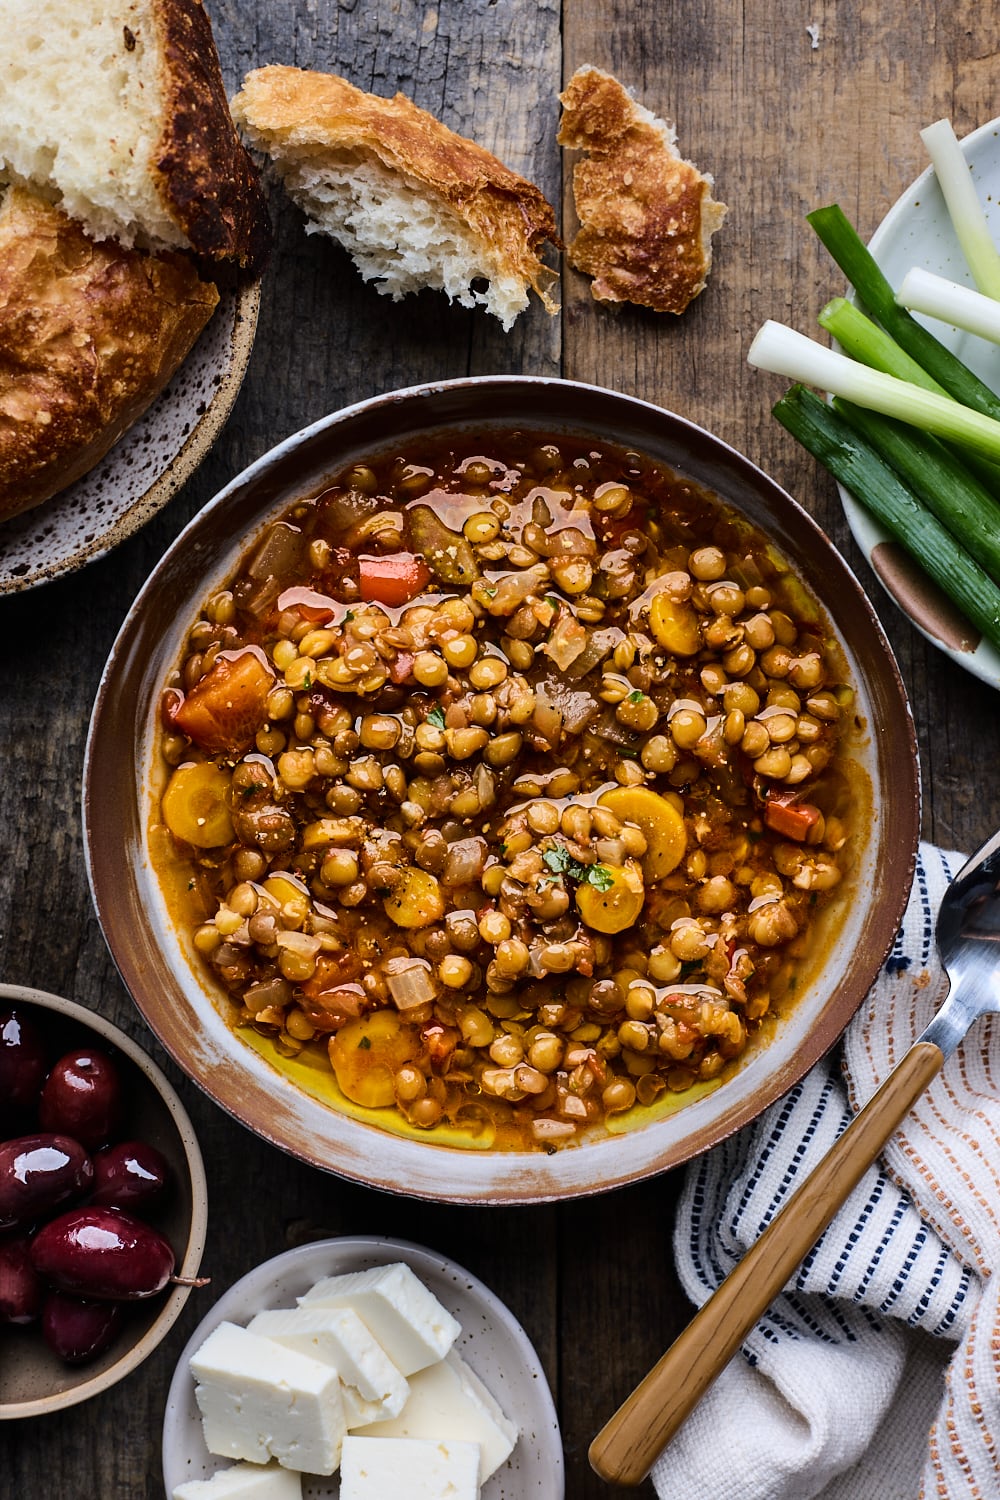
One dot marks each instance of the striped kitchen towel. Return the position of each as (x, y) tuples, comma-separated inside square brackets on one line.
[(914, 1248)]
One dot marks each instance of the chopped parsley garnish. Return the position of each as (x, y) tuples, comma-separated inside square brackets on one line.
[(636, 696), (436, 716), (365, 1044), (561, 862)]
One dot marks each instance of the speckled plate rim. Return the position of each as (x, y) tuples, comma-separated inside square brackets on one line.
[(917, 231), (175, 997), (492, 1341), (178, 1295), (28, 557)]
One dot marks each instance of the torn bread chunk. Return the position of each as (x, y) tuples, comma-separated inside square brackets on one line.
[(117, 111), (413, 203), (646, 215), (90, 334)]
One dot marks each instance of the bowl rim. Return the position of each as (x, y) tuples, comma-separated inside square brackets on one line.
[(528, 1177), (191, 1259)]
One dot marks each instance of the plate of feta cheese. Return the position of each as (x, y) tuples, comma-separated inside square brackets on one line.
[(360, 1369)]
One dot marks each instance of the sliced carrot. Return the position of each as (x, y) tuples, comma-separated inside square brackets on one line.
[(393, 580), (789, 817), (223, 711)]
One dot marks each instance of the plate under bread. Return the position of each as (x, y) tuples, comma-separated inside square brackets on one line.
[(492, 1342), (147, 466)]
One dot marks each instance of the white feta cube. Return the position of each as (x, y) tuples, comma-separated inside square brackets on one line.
[(373, 1388), (403, 1314), (259, 1400), (448, 1400), (387, 1468), (243, 1482)]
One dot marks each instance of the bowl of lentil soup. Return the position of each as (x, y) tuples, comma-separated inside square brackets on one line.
[(526, 793)]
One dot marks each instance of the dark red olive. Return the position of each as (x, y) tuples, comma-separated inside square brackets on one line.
[(78, 1330), (21, 1288), (102, 1253), (82, 1097), (132, 1175), (39, 1173), (23, 1064)]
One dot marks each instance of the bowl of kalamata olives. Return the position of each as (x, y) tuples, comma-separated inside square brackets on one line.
[(102, 1203)]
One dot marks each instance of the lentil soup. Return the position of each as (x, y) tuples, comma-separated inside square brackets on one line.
[(508, 791)]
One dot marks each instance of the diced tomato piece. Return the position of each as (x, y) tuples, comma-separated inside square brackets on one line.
[(223, 711), (789, 817), (393, 580), (334, 971)]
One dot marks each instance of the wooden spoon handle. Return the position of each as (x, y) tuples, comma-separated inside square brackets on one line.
[(625, 1449)]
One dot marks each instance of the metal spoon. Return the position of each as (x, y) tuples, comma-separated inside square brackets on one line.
[(968, 940)]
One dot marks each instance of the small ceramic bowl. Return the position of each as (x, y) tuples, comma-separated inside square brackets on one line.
[(170, 984), (33, 1380), (492, 1342)]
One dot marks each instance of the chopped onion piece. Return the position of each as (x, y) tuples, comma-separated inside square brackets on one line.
[(409, 981)]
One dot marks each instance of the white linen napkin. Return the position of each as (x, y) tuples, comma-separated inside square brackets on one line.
[(912, 1249)]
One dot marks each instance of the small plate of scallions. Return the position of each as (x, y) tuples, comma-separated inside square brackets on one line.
[(921, 491)]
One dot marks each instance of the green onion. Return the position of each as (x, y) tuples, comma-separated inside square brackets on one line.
[(862, 271), (938, 479), (962, 202), (784, 351), (950, 302), (864, 340), (829, 438)]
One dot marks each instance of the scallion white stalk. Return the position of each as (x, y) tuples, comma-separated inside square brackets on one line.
[(922, 291), (964, 208), (784, 351)]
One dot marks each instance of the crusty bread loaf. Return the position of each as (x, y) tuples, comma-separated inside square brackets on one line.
[(413, 203), (646, 215), (90, 333), (117, 110)]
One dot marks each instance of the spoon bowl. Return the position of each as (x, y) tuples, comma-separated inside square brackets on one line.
[(968, 940)]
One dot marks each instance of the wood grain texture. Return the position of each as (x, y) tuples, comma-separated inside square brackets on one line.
[(784, 126)]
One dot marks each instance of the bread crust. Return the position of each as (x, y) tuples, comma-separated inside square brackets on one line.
[(90, 333), (204, 174), (321, 111), (646, 215)]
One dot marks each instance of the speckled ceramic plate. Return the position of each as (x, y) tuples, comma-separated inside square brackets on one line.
[(147, 466), (492, 1342), (917, 231)]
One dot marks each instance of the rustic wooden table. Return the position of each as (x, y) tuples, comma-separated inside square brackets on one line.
[(790, 107)]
